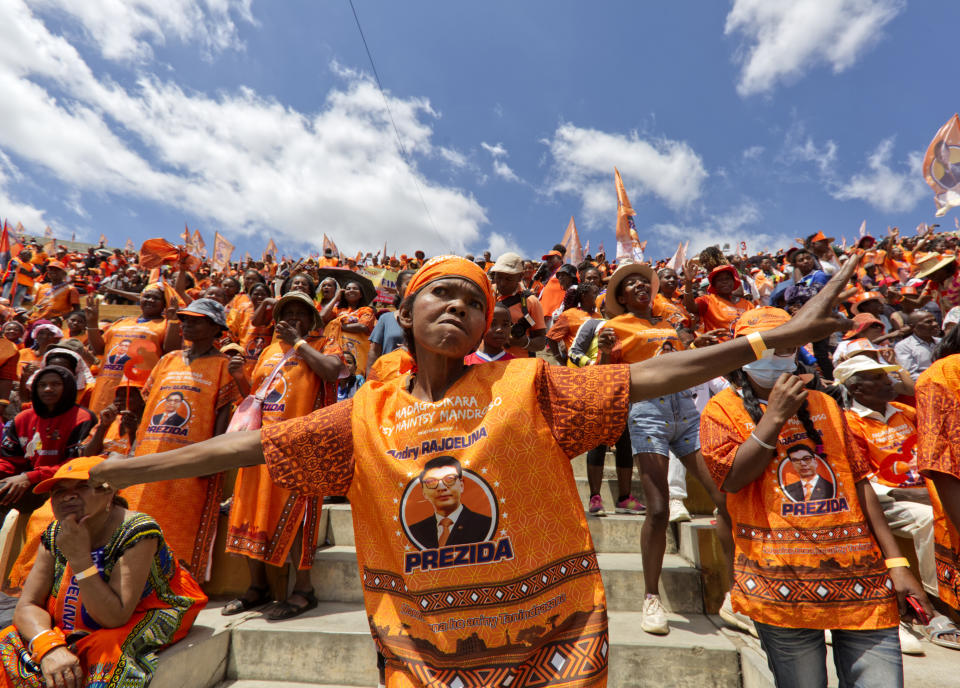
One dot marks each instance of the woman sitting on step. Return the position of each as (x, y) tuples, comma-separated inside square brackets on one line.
[(104, 594), (477, 563)]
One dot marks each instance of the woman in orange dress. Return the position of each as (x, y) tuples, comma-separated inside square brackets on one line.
[(266, 520), (349, 320), (188, 397), (455, 473), (119, 342)]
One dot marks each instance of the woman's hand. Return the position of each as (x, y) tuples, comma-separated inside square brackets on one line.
[(287, 332), (129, 423), (61, 668), (819, 317), (13, 488), (606, 340), (92, 310), (235, 367), (786, 397), (905, 584), (170, 313), (75, 540), (107, 416), (709, 338)]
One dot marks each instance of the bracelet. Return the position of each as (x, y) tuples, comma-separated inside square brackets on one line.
[(92, 570), (897, 561), (44, 642), (769, 447), (757, 344), (527, 345), (297, 344)]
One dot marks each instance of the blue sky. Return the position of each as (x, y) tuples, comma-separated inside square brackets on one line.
[(752, 120)]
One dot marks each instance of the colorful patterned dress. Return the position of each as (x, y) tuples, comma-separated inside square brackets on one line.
[(124, 656)]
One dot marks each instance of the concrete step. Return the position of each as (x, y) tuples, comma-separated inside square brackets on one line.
[(332, 645), (609, 491), (335, 578), (613, 533)]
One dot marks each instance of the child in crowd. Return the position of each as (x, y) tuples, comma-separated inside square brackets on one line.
[(495, 339)]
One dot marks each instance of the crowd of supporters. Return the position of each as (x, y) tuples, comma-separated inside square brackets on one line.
[(816, 454)]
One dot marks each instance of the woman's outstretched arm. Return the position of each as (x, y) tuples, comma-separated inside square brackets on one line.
[(230, 450)]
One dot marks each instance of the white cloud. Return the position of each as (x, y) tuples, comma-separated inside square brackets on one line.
[(124, 30), (245, 162), (500, 244), (583, 162), (783, 38), (884, 187), (497, 150), (735, 225), (753, 153)]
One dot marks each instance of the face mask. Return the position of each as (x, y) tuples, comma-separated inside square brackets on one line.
[(766, 371)]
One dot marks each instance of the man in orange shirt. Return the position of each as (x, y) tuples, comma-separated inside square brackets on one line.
[(58, 297), (528, 333), (329, 260), (552, 295), (19, 278)]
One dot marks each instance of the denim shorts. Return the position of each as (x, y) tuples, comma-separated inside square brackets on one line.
[(664, 424)]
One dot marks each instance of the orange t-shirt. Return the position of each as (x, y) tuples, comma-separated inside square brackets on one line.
[(670, 311), (719, 313), (938, 430), (639, 339), (125, 335), (515, 582), (889, 445), (564, 328), (56, 301), (551, 296), (800, 563)]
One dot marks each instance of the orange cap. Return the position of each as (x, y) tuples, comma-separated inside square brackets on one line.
[(759, 320), (77, 469), (56, 264)]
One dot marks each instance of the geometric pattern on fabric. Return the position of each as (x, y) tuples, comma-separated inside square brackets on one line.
[(947, 571), (819, 590), (488, 594), (853, 531), (564, 663)]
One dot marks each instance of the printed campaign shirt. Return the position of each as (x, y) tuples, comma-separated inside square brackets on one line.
[(890, 445), (805, 554), (639, 339), (717, 312), (508, 593), (938, 430), (124, 339)]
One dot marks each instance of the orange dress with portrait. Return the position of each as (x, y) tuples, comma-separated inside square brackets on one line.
[(515, 583)]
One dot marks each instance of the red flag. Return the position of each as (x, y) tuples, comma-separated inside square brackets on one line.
[(5, 246), (571, 241), (941, 166), (222, 250), (628, 243)]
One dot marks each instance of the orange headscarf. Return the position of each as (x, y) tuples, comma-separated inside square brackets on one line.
[(454, 266), (759, 320)]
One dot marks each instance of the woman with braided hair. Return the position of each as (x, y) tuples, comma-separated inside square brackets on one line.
[(813, 551)]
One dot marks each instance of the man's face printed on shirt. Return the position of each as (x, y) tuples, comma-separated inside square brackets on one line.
[(805, 464), (443, 488)]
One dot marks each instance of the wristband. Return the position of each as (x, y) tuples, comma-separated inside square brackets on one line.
[(46, 641), (757, 344), (769, 447), (897, 561), (92, 570), (297, 344)]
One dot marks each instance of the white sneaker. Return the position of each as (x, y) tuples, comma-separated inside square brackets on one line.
[(909, 645), (735, 619), (678, 512), (654, 616)]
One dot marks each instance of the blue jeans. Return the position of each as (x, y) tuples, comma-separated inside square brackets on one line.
[(18, 293), (864, 659)]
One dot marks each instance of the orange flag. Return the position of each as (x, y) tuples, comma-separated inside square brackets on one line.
[(199, 246), (628, 244), (941, 166), (186, 235), (103, 239), (270, 250), (571, 241), (50, 247), (328, 243), (222, 250)]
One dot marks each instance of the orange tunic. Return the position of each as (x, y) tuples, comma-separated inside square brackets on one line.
[(56, 301), (182, 403), (938, 430), (639, 339), (518, 554), (118, 339), (800, 562), (356, 343), (719, 313), (265, 518), (889, 445), (564, 328)]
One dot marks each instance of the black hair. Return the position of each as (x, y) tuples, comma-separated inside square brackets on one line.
[(794, 448), (285, 287), (949, 345), (73, 313), (440, 462), (401, 276), (560, 248), (752, 406), (343, 294)]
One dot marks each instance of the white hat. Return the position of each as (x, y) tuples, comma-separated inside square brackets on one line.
[(860, 364)]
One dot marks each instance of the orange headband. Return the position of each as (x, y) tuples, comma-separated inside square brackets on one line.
[(454, 266), (759, 320)]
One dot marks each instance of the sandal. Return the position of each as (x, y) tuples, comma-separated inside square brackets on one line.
[(243, 604), (284, 610), (940, 629)]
